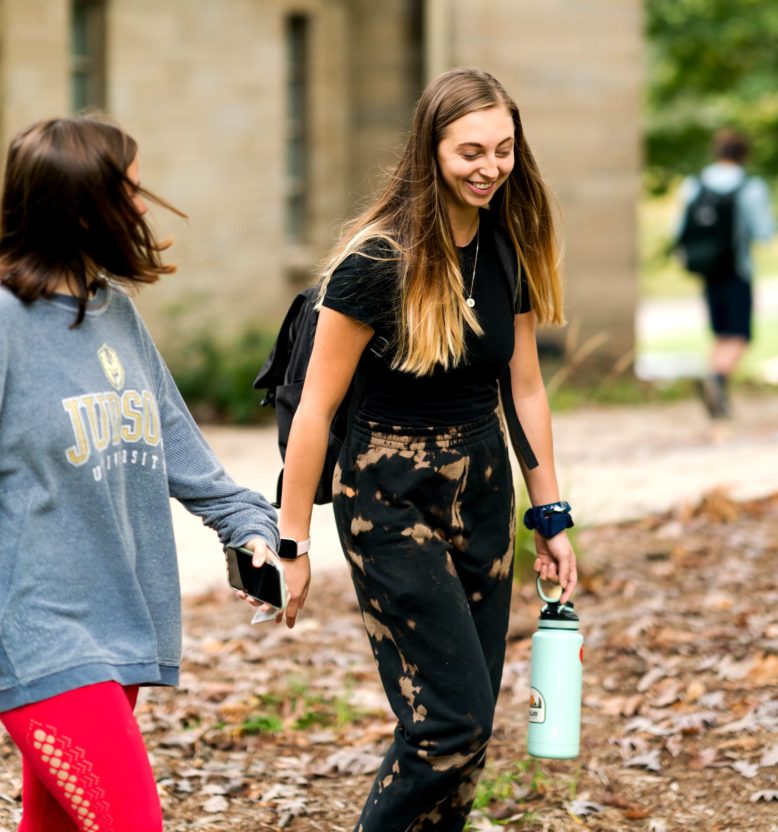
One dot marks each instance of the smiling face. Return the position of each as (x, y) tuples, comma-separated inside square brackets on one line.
[(475, 157)]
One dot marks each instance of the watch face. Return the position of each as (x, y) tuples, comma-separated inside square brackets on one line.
[(287, 549)]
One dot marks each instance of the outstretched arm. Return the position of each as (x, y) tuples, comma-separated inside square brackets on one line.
[(198, 481), (337, 348), (555, 557)]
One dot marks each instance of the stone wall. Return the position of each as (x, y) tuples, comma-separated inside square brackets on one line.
[(386, 79), (198, 84), (33, 63), (575, 70), (202, 85)]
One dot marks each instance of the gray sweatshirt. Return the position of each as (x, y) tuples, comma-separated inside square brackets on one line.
[(94, 440)]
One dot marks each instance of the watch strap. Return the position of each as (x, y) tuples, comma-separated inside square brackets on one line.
[(290, 549)]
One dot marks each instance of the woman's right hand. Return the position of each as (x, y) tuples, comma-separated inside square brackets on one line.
[(556, 562), (298, 579), (337, 348)]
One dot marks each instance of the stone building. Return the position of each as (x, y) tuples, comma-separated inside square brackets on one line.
[(268, 120)]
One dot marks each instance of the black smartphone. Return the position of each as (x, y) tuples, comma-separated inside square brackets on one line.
[(265, 583)]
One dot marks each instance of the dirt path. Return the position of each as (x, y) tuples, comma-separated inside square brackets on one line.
[(614, 463), (275, 729)]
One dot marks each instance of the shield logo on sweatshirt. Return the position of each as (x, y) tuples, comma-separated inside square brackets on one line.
[(112, 366)]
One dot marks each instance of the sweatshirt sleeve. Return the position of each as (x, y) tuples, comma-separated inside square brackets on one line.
[(195, 476), (198, 481), (759, 213), (687, 191)]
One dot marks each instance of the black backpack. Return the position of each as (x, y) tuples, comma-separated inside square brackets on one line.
[(706, 243), (283, 376)]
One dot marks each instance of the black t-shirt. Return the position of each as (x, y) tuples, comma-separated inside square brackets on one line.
[(366, 289)]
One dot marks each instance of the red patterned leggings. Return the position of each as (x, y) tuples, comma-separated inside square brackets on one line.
[(85, 764)]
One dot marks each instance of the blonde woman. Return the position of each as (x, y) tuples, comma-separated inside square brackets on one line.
[(416, 301)]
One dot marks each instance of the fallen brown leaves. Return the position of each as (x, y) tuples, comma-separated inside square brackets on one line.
[(275, 729)]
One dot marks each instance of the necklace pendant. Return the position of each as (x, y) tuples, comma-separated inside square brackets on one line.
[(470, 302)]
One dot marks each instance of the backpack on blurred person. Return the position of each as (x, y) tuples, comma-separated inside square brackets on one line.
[(706, 242)]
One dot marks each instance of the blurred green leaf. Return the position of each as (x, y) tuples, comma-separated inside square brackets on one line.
[(711, 64), (216, 378)]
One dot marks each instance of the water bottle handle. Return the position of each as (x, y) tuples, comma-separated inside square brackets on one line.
[(547, 598)]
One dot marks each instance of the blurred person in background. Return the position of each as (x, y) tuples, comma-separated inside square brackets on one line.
[(94, 440), (419, 304), (723, 211)]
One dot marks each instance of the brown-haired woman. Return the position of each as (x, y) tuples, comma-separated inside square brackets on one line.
[(423, 490), (94, 440)]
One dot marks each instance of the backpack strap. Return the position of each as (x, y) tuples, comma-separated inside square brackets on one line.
[(508, 260), (521, 446), (511, 266), (358, 387)]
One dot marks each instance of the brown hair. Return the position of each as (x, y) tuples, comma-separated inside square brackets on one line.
[(410, 214), (68, 210), (730, 145)]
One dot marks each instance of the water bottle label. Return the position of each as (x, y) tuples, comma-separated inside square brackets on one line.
[(537, 706)]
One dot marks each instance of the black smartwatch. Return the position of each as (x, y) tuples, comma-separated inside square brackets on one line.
[(291, 549)]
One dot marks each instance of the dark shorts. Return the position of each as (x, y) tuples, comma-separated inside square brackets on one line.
[(730, 305)]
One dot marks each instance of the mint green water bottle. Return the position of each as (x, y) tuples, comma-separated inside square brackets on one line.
[(555, 682)]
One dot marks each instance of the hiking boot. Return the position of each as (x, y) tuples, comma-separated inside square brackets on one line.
[(713, 392)]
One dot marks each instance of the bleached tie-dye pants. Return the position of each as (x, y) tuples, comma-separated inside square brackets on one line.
[(426, 521)]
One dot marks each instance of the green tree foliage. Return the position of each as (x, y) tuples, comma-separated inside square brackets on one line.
[(712, 63)]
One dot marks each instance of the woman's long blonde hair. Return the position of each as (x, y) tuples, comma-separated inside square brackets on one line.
[(410, 215)]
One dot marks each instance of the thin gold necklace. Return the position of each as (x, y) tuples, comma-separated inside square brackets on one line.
[(470, 300)]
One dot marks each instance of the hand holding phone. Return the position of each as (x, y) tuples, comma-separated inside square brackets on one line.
[(265, 583)]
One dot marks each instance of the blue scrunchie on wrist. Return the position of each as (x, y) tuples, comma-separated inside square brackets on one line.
[(550, 519)]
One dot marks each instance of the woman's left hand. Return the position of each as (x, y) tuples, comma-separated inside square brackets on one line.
[(262, 552), (555, 562)]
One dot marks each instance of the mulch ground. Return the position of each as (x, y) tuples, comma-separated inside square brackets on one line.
[(277, 729)]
